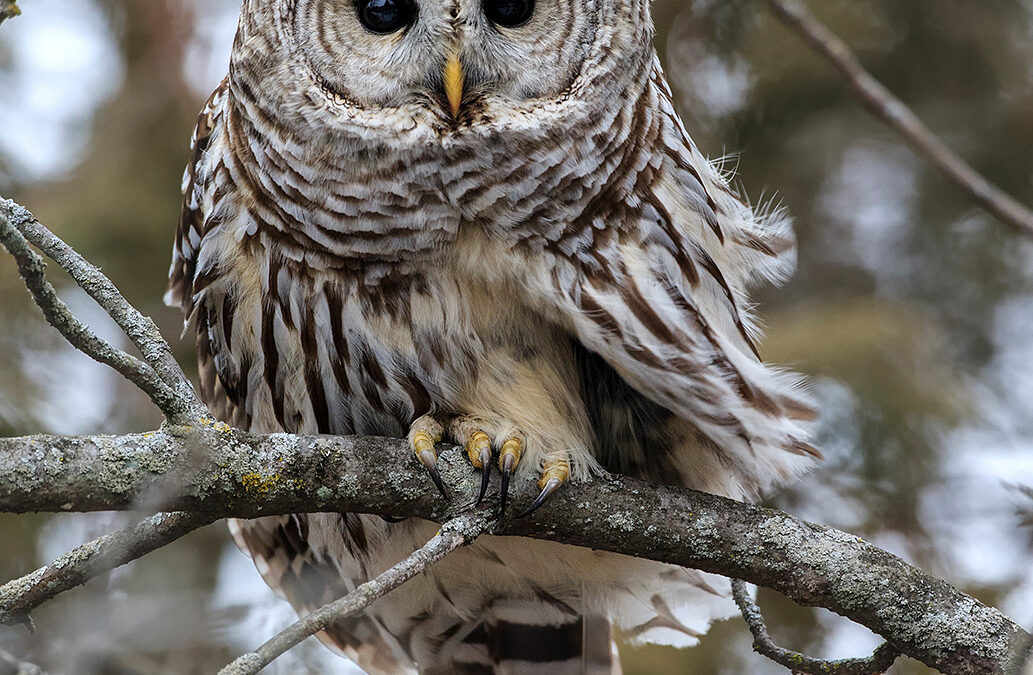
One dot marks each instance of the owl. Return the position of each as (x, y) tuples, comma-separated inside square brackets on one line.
[(480, 222)]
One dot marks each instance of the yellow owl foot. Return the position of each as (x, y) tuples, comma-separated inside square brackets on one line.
[(424, 434), (478, 448), (468, 432)]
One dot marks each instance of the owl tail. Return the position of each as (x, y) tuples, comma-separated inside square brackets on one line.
[(519, 637)]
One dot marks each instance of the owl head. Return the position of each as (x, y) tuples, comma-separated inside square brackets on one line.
[(445, 56)]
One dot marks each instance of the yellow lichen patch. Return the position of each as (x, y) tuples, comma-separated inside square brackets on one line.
[(221, 427), (257, 484)]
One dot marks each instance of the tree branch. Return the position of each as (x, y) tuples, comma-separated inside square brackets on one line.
[(894, 112), (453, 534), (21, 596), (159, 376), (880, 660), (245, 475)]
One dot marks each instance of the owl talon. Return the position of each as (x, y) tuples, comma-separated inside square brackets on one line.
[(430, 460), (478, 449), (554, 474), (507, 471), (425, 432), (546, 492), (509, 457), (485, 459)]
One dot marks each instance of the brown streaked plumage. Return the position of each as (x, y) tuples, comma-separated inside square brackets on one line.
[(463, 229)]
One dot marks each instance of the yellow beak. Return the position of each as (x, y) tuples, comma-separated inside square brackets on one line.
[(454, 82)]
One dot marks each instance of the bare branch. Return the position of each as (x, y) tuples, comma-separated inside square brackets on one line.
[(159, 376), (21, 667), (21, 596), (245, 475), (453, 534), (880, 660), (894, 112), (31, 267)]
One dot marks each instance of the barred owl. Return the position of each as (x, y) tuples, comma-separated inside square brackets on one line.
[(480, 221)]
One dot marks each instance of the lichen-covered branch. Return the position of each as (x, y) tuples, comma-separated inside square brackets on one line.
[(217, 471), (21, 596), (453, 534), (158, 375), (894, 112)]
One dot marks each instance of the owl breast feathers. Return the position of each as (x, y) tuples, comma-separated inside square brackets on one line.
[(480, 221)]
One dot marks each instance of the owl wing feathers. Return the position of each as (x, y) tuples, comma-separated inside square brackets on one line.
[(193, 223), (652, 289), (278, 545)]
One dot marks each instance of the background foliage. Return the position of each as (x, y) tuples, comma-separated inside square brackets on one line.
[(911, 309)]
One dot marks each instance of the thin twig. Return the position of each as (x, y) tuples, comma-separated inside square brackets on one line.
[(159, 376), (21, 596), (22, 667), (880, 660), (895, 113), (453, 534)]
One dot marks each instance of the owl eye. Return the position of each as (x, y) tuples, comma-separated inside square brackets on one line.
[(508, 13), (385, 16)]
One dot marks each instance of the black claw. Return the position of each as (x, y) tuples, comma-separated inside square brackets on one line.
[(546, 492), (436, 477), (429, 460), (485, 458)]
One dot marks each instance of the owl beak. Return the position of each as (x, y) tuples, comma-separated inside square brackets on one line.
[(453, 78)]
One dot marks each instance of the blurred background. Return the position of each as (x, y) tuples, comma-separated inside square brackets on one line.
[(912, 310)]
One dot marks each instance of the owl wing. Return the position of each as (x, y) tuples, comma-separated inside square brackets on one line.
[(193, 224), (652, 277), (278, 545), (185, 285)]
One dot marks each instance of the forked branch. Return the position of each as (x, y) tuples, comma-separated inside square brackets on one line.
[(158, 375), (245, 475)]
